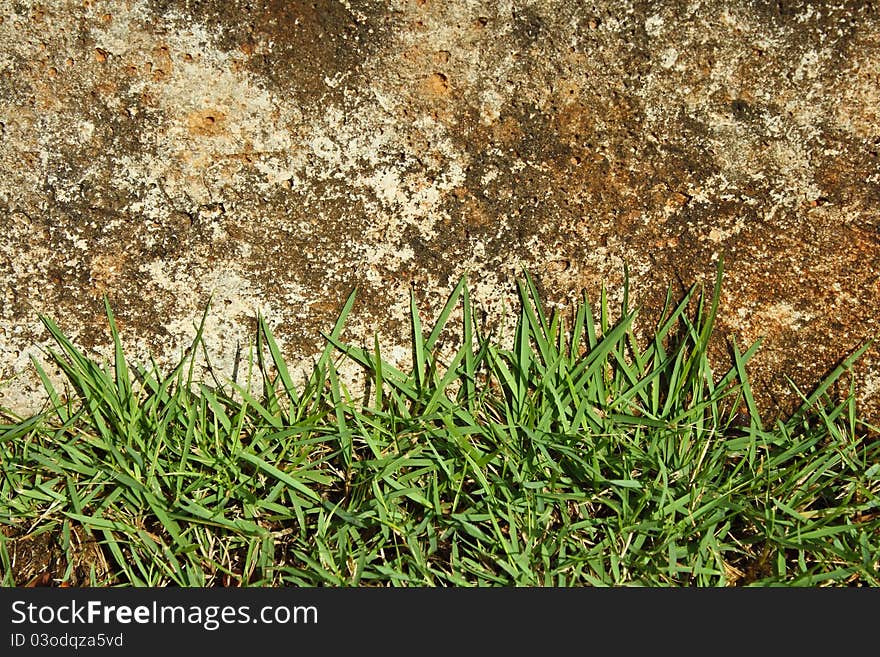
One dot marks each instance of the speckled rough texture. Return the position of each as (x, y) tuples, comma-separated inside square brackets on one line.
[(277, 153)]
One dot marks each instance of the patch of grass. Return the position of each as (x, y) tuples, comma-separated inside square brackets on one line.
[(575, 456)]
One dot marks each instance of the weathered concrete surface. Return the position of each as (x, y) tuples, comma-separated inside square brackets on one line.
[(278, 153)]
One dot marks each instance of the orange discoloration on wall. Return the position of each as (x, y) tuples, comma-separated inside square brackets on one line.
[(206, 122)]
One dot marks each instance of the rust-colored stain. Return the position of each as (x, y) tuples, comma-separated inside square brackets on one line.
[(205, 123), (437, 84)]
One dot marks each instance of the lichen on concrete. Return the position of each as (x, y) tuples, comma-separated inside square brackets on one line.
[(270, 156)]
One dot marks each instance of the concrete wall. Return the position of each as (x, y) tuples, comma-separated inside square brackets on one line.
[(278, 153)]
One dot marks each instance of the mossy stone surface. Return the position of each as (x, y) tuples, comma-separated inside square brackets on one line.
[(276, 154)]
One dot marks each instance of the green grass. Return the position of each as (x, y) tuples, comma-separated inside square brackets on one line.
[(575, 456)]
